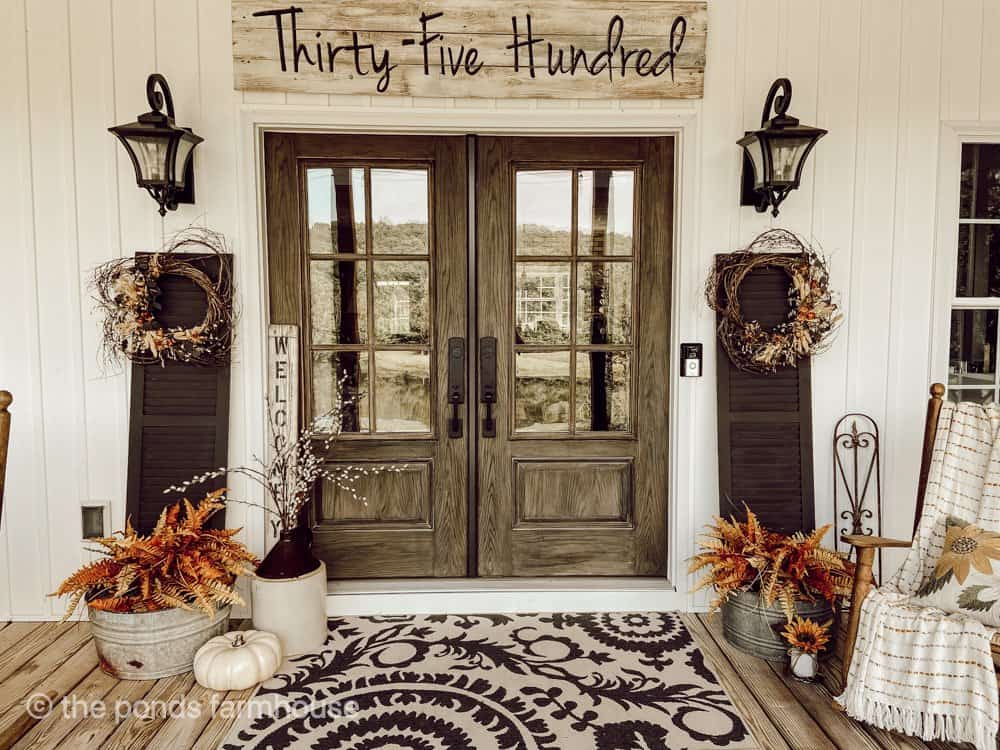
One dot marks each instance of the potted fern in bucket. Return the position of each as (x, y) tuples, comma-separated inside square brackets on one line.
[(154, 600), (765, 580)]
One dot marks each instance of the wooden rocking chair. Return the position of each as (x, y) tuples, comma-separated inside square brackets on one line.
[(5, 401), (866, 546)]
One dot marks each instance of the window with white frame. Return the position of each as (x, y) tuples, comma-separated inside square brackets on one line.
[(972, 361)]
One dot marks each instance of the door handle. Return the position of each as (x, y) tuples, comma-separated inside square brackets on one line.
[(488, 382), (456, 385)]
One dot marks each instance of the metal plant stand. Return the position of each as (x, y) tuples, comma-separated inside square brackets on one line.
[(857, 481)]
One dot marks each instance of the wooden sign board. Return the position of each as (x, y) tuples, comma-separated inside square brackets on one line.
[(587, 49), (282, 388)]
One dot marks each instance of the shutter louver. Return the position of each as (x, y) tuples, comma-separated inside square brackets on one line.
[(765, 424), (179, 417)]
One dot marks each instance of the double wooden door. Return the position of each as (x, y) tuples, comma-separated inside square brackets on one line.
[(497, 310)]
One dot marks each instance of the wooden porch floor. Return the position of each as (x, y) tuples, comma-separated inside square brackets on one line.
[(59, 663)]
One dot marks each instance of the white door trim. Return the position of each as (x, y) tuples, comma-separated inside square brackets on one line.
[(477, 595)]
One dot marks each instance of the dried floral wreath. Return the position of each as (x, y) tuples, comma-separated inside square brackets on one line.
[(127, 291), (813, 310)]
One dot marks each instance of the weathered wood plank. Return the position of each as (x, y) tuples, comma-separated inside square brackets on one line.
[(218, 727), (753, 713), (29, 674), (799, 729), (474, 48), (23, 640), (94, 730), (138, 730), (27, 713), (50, 732)]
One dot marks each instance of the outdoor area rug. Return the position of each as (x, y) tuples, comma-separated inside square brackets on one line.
[(625, 681)]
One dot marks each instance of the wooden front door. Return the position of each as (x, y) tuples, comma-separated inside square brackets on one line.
[(367, 241), (574, 245), (563, 427)]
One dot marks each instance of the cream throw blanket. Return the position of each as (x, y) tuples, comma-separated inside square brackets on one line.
[(922, 671)]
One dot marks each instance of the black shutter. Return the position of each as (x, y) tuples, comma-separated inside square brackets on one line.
[(765, 424), (179, 418)]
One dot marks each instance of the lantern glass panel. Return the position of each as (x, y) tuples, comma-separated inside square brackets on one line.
[(181, 158), (786, 158), (756, 151), (151, 154)]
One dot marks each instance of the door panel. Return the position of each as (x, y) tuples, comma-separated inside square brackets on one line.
[(573, 281), (367, 254)]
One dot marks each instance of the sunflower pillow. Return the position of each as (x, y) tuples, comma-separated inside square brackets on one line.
[(964, 579)]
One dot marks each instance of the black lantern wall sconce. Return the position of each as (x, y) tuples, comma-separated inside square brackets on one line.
[(161, 152), (773, 156)]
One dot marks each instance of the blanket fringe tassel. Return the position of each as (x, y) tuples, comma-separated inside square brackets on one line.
[(923, 725)]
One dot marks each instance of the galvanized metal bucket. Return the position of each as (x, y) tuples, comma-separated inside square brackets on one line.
[(749, 625), (151, 645)]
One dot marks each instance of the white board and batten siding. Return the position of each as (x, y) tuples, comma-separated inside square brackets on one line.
[(881, 75)]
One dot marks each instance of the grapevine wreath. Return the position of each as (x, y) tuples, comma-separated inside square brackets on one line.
[(813, 310), (128, 291)]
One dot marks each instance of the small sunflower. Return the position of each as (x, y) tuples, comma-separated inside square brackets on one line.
[(807, 636), (965, 546)]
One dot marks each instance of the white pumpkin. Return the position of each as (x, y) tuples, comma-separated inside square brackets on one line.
[(237, 660)]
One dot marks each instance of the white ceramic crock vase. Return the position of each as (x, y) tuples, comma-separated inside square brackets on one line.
[(803, 665), (294, 609)]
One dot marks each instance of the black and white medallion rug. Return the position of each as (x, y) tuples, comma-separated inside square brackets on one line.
[(625, 681)]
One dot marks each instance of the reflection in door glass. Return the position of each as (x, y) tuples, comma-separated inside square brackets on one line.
[(336, 210), (602, 391), (973, 358), (604, 303), (399, 211), (338, 301), (401, 301), (604, 203), (402, 391), (543, 303), (544, 212), (541, 391), (329, 368)]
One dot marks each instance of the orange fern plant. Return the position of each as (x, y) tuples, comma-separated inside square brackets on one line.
[(181, 564), (745, 556)]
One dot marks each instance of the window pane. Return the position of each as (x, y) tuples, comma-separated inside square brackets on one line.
[(541, 392), (336, 208), (544, 212), (973, 347), (604, 215), (975, 395), (401, 301), (978, 261), (542, 303), (399, 211), (604, 303), (980, 181), (338, 302), (327, 369), (602, 391), (402, 392)]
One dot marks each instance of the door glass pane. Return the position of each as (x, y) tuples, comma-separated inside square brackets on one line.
[(602, 391), (980, 181), (336, 208), (604, 216), (542, 305), (338, 302), (541, 392), (973, 347), (978, 261), (975, 395), (401, 301), (604, 303), (544, 212), (352, 368), (402, 391), (399, 211)]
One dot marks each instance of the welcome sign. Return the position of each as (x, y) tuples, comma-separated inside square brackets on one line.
[(473, 48)]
